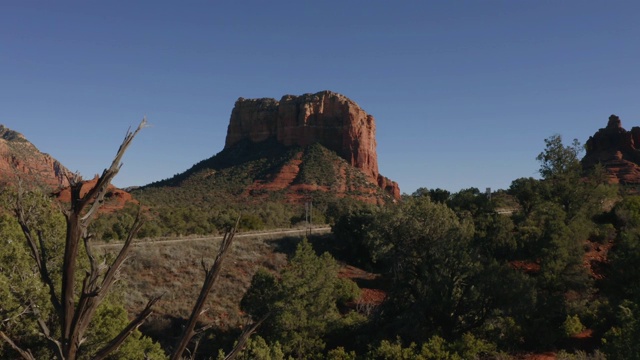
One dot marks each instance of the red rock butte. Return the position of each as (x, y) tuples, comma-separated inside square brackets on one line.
[(618, 150), (327, 118)]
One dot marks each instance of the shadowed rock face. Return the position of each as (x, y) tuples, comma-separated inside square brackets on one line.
[(20, 159), (617, 149), (327, 118)]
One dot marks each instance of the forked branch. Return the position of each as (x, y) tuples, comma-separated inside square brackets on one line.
[(211, 274), (26, 354), (100, 189), (242, 341), (75, 313), (39, 255), (115, 344)]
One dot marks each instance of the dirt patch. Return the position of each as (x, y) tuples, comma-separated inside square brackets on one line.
[(595, 257), (528, 267)]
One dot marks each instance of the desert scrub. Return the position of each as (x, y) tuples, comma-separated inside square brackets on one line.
[(318, 166)]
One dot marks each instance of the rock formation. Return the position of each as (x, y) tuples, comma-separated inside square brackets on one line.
[(21, 159), (115, 199), (327, 118), (617, 149)]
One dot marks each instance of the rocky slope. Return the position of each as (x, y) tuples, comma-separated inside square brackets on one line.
[(299, 148), (618, 150), (326, 118), (21, 159)]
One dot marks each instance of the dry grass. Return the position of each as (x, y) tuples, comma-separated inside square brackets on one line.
[(175, 270)]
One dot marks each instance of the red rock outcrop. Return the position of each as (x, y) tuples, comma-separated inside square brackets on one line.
[(328, 118), (389, 186), (21, 159), (617, 149), (115, 199)]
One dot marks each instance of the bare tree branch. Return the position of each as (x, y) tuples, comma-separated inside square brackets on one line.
[(47, 334), (92, 292), (76, 314), (40, 257), (110, 276), (242, 341), (100, 189), (25, 354), (210, 278), (15, 316), (115, 344), (47, 275)]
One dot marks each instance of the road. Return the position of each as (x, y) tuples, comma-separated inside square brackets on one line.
[(274, 232)]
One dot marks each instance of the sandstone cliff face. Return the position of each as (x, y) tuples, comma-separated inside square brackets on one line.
[(21, 159), (617, 149), (328, 118)]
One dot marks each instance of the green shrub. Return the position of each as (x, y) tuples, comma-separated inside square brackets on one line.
[(572, 326)]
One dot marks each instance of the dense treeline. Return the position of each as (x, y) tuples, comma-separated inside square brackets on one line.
[(467, 275), (472, 275), (167, 221), (215, 218), (460, 268)]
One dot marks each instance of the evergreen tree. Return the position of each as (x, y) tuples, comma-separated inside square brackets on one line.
[(302, 303)]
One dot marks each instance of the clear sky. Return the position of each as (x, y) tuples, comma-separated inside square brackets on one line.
[(463, 92)]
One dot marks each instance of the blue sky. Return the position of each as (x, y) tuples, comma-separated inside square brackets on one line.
[(463, 92)]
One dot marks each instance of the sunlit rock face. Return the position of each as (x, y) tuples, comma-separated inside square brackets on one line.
[(617, 149), (20, 160), (327, 118)]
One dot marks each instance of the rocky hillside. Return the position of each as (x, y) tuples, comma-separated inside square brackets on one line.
[(618, 150), (21, 159), (322, 144)]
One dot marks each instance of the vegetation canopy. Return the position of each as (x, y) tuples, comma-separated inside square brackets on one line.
[(547, 265)]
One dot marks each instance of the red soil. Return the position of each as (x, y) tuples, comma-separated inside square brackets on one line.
[(368, 296)]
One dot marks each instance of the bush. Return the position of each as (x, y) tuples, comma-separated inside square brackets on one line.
[(302, 303), (572, 326)]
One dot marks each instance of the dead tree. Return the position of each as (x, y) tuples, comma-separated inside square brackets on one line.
[(242, 340), (211, 274), (75, 312)]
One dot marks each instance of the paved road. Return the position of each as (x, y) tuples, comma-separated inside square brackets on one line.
[(274, 232)]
